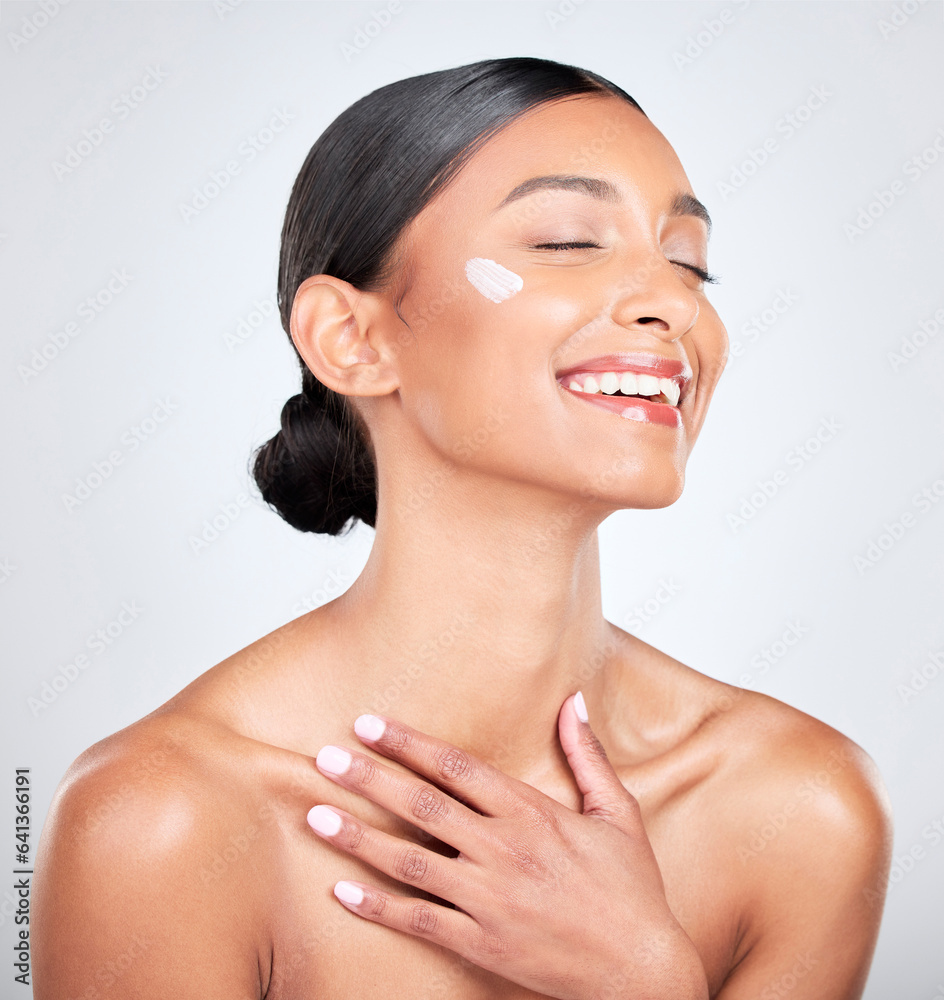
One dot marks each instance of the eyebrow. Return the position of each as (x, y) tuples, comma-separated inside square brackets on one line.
[(688, 204), (683, 204)]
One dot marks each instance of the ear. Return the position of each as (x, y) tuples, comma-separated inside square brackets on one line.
[(338, 331)]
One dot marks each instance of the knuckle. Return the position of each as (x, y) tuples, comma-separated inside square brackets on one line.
[(376, 906), (423, 919), (522, 859), (492, 946), (367, 771), (397, 739), (453, 763), (355, 838), (412, 866), (427, 803), (543, 821)]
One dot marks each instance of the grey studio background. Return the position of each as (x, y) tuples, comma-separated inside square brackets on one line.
[(142, 360)]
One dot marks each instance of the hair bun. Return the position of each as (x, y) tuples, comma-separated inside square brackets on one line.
[(316, 472)]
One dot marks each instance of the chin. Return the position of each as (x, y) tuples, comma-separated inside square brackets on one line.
[(645, 489), (650, 499)]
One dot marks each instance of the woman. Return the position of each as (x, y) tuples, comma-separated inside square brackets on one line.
[(494, 279)]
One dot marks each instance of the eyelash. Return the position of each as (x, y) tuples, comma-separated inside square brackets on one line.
[(703, 275)]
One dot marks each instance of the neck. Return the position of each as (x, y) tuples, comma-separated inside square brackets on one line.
[(474, 619)]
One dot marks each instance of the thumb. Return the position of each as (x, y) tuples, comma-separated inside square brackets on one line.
[(603, 793)]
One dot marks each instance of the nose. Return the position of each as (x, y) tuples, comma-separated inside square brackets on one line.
[(652, 296)]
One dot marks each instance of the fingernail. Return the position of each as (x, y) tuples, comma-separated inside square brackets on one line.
[(333, 759), (347, 892), (324, 820), (580, 707), (369, 727)]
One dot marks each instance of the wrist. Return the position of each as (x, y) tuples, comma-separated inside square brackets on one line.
[(684, 973), (666, 967), (693, 982)]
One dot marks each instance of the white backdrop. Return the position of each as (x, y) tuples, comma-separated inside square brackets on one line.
[(148, 153)]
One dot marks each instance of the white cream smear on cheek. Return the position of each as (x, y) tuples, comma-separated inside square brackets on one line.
[(495, 282)]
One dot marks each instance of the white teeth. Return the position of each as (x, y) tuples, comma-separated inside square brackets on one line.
[(629, 384), (609, 383), (671, 390)]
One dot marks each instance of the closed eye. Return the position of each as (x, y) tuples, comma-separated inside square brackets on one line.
[(565, 246), (710, 279), (703, 275)]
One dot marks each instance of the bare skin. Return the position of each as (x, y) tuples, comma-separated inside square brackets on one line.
[(177, 860)]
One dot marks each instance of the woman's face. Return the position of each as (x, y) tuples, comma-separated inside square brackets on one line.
[(506, 329)]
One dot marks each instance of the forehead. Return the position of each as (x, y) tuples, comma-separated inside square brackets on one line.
[(596, 136), (590, 135)]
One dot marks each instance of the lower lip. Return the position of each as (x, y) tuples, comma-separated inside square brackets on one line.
[(642, 410)]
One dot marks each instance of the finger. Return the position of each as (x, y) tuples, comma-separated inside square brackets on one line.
[(407, 796), (469, 779), (400, 859), (450, 929), (604, 795)]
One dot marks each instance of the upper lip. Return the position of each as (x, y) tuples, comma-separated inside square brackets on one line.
[(651, 364)]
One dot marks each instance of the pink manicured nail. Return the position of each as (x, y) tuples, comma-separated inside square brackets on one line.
[(324, 820), (333, 759), (369, 727), (580, 707), (347, 892)]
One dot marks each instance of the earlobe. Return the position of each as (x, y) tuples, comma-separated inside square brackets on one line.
[(333, 327)]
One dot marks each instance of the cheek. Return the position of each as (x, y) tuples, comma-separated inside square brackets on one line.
[(712, 348), (495, 282), (485, 363)]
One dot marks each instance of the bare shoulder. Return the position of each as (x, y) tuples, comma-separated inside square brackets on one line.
[(802, 824), (800, 827), (810, 824), (164, 774), (798, 773), (778, 756), (151, 838), (800, 784)]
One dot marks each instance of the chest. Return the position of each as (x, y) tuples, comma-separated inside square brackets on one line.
[(322, 950)]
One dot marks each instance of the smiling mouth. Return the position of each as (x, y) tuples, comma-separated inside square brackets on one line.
[(625, 384)]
